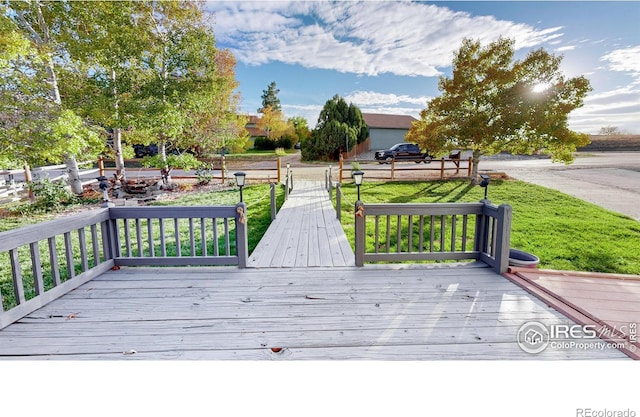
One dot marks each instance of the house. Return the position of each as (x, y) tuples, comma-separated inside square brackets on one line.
[(385, 130), (254, 130)]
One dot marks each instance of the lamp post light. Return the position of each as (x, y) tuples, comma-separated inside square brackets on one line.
[(357, 178), (240, 179), (485, 184)]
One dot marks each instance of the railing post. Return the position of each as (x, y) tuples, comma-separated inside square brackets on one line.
[(359, 232), (273, 200), (503, 240), (101, 166), (341, 167), (338, 201), (326, 180), (469, 165), (278, 167), (222, 168), (28, 179), (242, 239), (393, 167), (286, 188)]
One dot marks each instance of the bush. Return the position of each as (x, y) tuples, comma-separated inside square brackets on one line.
[(285, 142), (50, 196), (264, 144)]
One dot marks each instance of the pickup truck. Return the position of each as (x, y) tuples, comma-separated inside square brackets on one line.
[(404, 152)]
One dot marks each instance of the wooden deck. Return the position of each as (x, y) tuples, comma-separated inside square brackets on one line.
[(305, 233), (374, 312)]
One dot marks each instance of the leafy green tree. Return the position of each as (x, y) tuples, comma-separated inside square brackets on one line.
[(340, 127), (270, 99), (493, 104), (38, 128)]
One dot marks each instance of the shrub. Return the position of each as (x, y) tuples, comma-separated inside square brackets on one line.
[(50, 196)]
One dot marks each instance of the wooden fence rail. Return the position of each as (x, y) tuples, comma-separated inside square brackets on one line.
[(45, 261), (433, 231), (458, 165)]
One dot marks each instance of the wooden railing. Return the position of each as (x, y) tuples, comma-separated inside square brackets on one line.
[(45, 261), (433, 231)]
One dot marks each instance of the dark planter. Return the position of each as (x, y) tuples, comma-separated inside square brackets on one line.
[(523, 259)]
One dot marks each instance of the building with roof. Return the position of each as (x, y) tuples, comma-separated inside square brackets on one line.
[(385, 130)]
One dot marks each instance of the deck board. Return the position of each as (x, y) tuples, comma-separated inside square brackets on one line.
[(305, 233), (382, 313)]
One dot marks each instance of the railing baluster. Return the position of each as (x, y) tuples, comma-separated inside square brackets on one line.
[(36, 267), (443, 227), (432, 236), (464, 233), (453, 233), (227, 248), (203, 234), (176, 230), (216, 249), (68, 253), (53, 258), (388, 233), (150, 234), (421, 235), (94, 244), (192, 239), (84, 256), (16, 273), (139, 239), (399, 234), (377, 234), (163, 241), (127, 237), (410, 230)]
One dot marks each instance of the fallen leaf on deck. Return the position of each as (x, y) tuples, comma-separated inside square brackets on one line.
[(276, 349), (129, 352), (72, 316)]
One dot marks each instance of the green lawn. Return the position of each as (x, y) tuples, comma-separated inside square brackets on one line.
[(257, 198), (564, 232)]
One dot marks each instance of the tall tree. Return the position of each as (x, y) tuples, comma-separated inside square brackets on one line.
[(107, 40), (45, 129), (493, 104), (270, 99), (339, 127)]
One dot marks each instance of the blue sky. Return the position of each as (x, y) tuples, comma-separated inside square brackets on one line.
[(386, 56)]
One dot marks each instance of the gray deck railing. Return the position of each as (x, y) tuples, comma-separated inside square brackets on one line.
[(45, 261), (433, 231)]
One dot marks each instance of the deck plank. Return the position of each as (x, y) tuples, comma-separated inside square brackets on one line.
[(305, 233), (390, 313)]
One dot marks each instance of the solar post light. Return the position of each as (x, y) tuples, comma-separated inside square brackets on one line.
[(240, 180), (485, 184), (357, 178)]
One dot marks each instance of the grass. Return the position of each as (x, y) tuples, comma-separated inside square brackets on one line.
[(257, 198), (566, 233)]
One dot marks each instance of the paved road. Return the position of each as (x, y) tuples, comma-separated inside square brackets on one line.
[(610, 180)]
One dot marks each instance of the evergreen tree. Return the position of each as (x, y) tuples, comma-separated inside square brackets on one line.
[(270, 99)]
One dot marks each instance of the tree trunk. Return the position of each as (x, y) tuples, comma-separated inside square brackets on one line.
[(165, 171), (74, 174), (117, 149), (117, 133), (474, 169)]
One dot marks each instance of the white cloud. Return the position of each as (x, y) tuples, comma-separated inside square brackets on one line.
[(619, 107), (369, 38), (625, 60), (368, 98), (566, 48)]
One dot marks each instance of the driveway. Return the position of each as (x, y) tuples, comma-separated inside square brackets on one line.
[(609, 179)]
